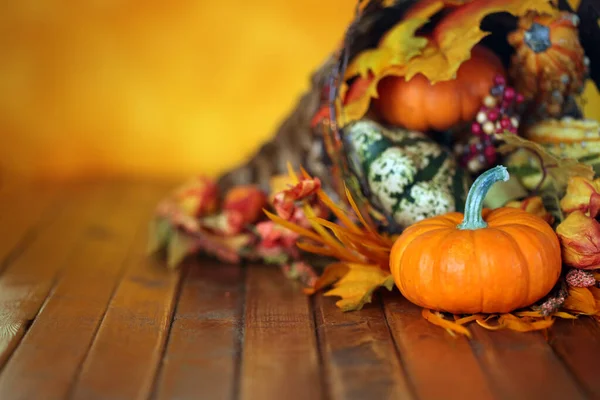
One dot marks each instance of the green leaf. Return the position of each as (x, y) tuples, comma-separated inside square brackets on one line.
[(159, 233), (180, 245)]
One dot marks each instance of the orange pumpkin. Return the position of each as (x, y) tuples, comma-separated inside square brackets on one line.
[(549, 63), (421, 106), (485, 261)]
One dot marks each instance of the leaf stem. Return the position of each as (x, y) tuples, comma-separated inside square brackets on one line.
[(472, 218)]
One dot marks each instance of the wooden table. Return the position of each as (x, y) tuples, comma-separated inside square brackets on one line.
[(85, 314)]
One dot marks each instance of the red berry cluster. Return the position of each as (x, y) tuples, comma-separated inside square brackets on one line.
[(498, 113)]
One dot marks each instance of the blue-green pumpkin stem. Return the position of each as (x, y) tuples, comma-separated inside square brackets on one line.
[(474, 205)]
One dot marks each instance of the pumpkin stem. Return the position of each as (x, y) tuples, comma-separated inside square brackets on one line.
[(474, 205)]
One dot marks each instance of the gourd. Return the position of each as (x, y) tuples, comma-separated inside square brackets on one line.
[(549, 64), (418, 105), (578, 139), (406, 175), (485, 261)]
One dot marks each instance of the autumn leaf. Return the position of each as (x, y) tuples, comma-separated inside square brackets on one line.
[(560, 170), (438, 57), (459, 31), (397, 47), (581, 300), (354, 283)]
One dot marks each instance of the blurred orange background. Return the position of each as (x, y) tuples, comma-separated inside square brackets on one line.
[(154, 88)]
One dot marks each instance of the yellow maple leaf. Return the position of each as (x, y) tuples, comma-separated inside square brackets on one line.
[(354, 283), (459, 31), (397, 47)]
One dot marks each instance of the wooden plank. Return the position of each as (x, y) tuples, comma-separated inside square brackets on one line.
[(280, 357), (65, 327), (204, 343), (125, 355), (358, 353), (577, 343), (522, 365), (28, 278), (21, 209), (438, 365)]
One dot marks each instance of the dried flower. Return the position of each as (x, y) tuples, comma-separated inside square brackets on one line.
[(533, 205), (579, 236), (197, 197), (580, 278)]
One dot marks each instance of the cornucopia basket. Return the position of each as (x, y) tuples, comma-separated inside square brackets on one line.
[(441, 150)]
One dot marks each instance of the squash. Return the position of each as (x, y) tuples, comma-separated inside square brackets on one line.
[(485, 261), (421, 106), (566, 138), (549, 65), (406, 175)]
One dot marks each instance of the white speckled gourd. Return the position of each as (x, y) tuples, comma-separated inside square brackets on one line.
[(408, 176)]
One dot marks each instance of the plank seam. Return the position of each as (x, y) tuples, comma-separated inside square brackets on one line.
[(239, 338), (169, 325), (117, 284), (323, 375), (581, 385), (409, 382)]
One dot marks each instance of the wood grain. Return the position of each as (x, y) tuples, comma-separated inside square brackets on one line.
[(203, 350), (522, 365), (65, 327), (359, 353), (28, 278), (438, 365), (280, 357), (21, 209), (577, 343), (125, 355)]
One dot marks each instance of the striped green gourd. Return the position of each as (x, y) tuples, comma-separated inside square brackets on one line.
[(404, 174)]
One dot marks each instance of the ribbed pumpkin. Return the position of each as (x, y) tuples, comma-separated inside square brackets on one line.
[(418, 105), (485, 261), (549, 63)]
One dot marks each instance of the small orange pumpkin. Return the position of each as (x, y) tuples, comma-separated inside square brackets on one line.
[(549, 63), (421, 106), (485, 261)]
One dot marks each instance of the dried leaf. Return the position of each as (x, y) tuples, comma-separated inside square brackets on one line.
[(397, 47), (451, 326), (582, 301), (459, 31), (524, 325), (357, 284), (332, 274), (560, 170)]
